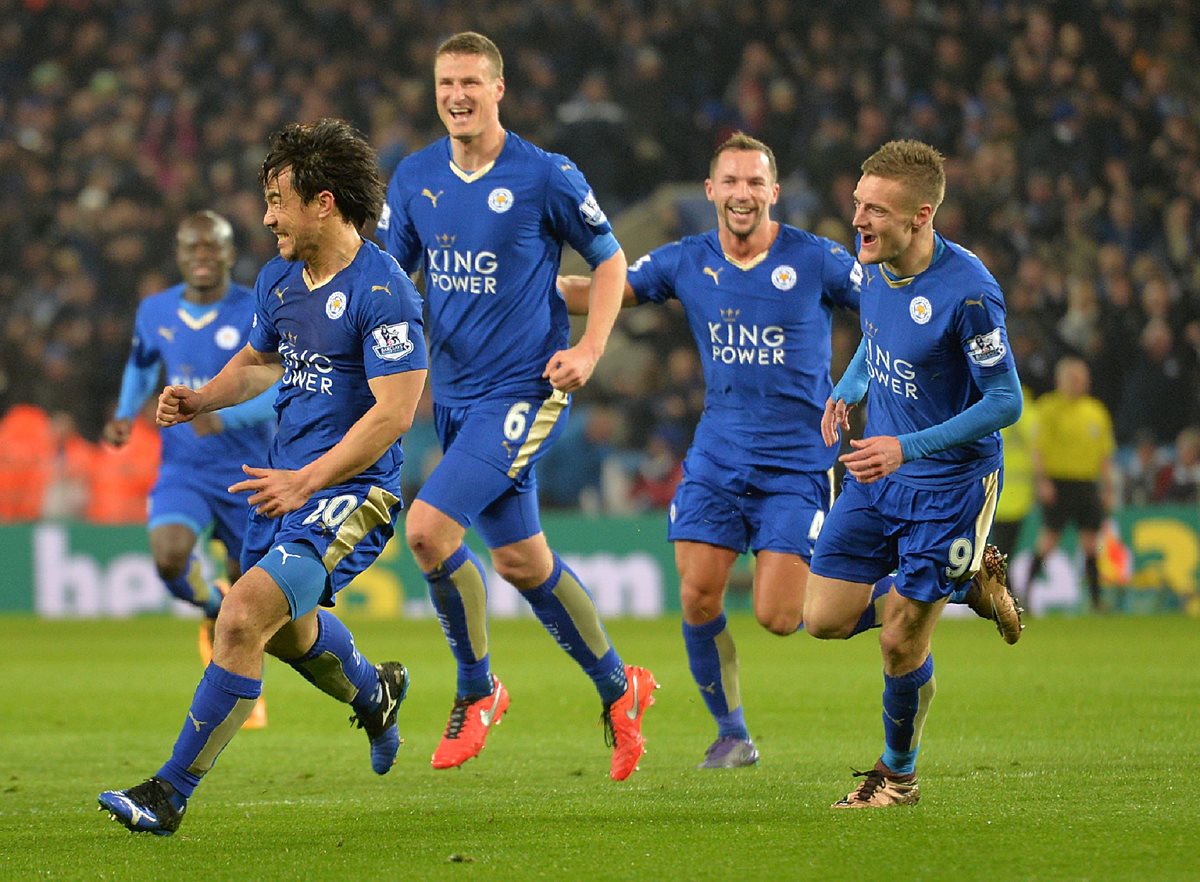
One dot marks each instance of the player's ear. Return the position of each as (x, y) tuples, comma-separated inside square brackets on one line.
[(499, 88), (923, 216)]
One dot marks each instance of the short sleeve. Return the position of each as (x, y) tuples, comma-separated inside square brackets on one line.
[(652, 276), (575, 215)]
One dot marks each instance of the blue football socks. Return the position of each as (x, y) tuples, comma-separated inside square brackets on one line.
[(906, 702), (459, 594), (567, 611), (222, 702), (336, 667), (713, 661)]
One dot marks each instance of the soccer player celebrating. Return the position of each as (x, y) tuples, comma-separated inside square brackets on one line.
[(339, 322), (922, 485), (189, 331), (484, 214), (759, 297)]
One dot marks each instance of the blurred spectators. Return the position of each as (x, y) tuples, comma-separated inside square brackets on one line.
[(1072, 133)]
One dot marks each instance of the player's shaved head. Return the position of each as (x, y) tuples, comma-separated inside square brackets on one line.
[(207, 220)]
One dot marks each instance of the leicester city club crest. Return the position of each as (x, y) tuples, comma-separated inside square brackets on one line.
[(500, 200), (920, 309), (227, 337), (335, 305), (783, 278)]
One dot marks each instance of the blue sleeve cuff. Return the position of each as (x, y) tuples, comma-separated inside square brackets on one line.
[(136, 385), (258, 409), (1000, 406), (852, 387)]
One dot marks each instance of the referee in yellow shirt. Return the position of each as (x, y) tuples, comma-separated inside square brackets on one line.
[(1073, 462)]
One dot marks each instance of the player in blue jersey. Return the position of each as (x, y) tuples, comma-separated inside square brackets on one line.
[(188, 332), (339, 323), (922, 485), (484, 215), (759, 297)]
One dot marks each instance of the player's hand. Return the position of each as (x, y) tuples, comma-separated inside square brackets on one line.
[(569, 369), (836, 416), (177, 404), (116, 432), (207, 424), (273, 492), (873, 458)]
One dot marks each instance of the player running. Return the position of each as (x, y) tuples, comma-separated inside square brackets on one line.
[(339, 323), (484, 215), (188, 332)]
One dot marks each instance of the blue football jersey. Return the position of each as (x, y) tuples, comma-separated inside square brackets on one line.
[(489, 243), (927, 339), (192, 349), (363, 323), (763, 331)]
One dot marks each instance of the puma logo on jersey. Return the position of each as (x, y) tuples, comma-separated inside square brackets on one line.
[(279, 291), (715, 273), (375, 288), (167, 333), (432, 197)]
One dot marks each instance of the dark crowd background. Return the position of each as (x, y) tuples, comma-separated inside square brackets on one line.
[(1072, 131)]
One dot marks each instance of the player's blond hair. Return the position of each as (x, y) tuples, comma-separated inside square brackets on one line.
[(742, 141), (472, 43), (916, 165)]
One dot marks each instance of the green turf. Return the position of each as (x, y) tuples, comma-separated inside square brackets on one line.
[(1069, 756)]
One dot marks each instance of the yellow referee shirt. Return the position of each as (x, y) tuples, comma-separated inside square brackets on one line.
[(1073, 436)]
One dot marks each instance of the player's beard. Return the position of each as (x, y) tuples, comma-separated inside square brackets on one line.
[(742, 232)]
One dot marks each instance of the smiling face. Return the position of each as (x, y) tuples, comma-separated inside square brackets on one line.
[(293, 222), (468, 94), (887, 219), (743, 189), (204, 253)]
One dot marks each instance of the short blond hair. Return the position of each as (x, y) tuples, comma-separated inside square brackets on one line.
[(472, 43), (918, 166), (742, 141)]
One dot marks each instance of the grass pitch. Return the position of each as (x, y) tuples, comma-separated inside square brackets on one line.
[(1068, 756)]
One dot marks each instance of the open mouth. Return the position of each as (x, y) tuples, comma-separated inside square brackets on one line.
[(868, 239)]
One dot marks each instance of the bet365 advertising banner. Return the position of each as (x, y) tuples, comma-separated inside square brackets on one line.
[(64, 569)]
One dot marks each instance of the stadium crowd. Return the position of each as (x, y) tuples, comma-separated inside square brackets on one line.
[(1071, 130)]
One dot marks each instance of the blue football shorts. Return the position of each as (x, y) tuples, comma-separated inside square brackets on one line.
[(753, 508), (347, 526), (196, 499), (933, 537), (486, 476)]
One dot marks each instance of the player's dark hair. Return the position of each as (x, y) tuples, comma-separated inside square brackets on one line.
[(332, 155), (742, 141), (915, 164), (471, 43)]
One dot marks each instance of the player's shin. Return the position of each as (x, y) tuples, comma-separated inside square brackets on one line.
[(906, 701), (567, 611), (459, 595), (222, 702)]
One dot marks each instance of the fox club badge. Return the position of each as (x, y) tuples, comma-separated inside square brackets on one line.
[(335, 306)]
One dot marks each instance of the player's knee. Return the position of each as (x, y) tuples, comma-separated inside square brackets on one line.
[(699, 604), (898, 650), (779, 621), (825, 627), (235, 627), (518, 571), (171, 565)]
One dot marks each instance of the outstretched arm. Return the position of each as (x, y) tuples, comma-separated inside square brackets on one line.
[(576, 291)]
